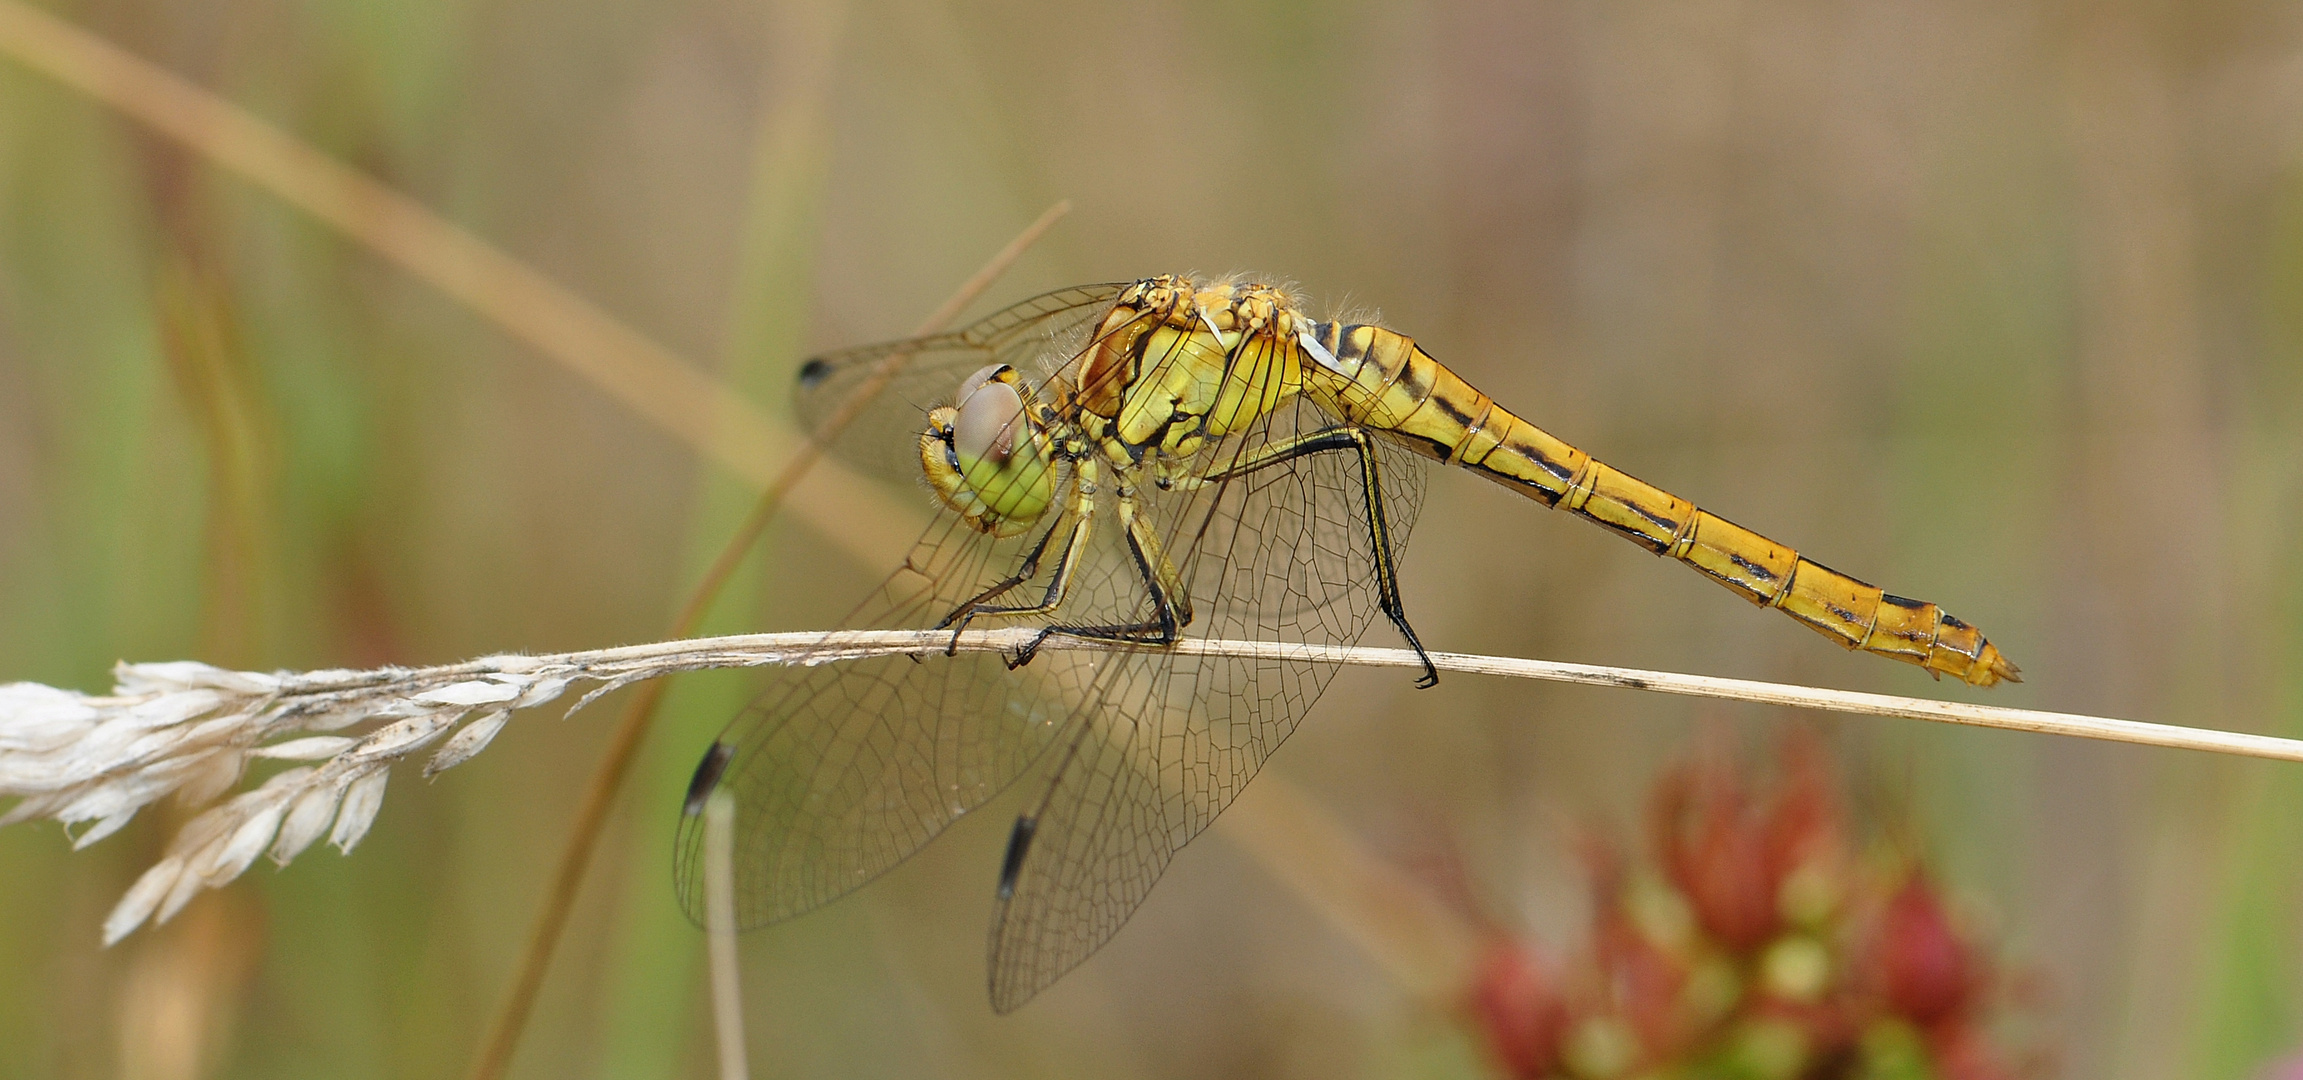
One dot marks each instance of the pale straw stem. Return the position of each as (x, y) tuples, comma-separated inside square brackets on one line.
[(753, 650), (720, 913), (189, 730)]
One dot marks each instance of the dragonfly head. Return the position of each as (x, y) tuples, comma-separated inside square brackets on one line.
[(987, 456)]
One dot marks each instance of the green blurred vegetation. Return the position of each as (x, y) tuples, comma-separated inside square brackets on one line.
[(1998, 305)]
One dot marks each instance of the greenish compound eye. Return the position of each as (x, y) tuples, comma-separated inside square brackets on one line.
[(1002, 481), (985, 430)]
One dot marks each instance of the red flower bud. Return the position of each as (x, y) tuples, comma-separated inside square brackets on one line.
[(1925, 970), (1730, 854), (1519, 1011)]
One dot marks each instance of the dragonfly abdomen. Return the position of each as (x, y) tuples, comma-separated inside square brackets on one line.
[(1382, 380)]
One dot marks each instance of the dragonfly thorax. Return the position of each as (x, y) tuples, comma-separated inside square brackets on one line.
[(1180, 364), (988, 457)]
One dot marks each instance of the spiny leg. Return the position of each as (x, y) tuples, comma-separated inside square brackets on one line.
[(1079, 514), (1331, 440), (1025, 571), (1171, 610), (1058, 581)]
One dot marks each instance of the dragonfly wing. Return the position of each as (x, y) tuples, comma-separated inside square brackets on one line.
[(842, 770), (1284, 554), (868, 404), (1104, 834)]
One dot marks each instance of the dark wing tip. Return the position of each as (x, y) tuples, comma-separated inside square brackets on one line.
[(1012, 864), (813, 372), (707, 777)]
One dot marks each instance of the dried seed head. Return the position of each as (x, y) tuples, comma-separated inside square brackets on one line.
[(190, 730)]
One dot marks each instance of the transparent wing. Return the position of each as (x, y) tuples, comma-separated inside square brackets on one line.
[(842, 770), (1175, 738), (891, 386)]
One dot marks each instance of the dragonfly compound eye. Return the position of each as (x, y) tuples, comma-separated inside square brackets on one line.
[(989, 421), (986, 459), (976, 381)]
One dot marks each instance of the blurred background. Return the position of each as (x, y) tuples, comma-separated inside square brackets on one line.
[(2000, 305)]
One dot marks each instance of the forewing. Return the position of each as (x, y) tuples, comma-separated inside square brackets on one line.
[(869, 404), (841, 770), (1285, 554)]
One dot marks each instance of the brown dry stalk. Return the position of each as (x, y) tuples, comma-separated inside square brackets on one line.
[(1425, 945), (680, 398)]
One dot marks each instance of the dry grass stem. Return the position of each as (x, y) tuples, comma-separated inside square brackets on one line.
[(679, 397), (190, 730), (1426, 946), (720, 906)]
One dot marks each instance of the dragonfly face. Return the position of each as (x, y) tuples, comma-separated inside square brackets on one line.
[(1123, 463), (988, 457)]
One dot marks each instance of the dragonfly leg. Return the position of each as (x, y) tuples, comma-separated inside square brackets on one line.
[(1025, 571), (1059, 581), (1171, 610), (1357, 440)]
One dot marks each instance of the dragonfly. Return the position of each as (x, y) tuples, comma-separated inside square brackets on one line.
[(1128, 463)]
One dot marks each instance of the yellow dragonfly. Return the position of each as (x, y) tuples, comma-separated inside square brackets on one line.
[(1133, 462)]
